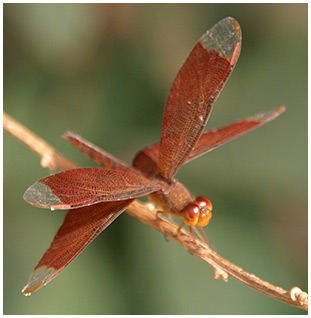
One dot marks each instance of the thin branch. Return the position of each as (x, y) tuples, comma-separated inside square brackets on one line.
[(147, 214), (50, 158)]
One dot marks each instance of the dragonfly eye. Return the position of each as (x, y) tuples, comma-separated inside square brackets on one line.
[(192, 213), (205, 217), (203, 202), (205, 211)]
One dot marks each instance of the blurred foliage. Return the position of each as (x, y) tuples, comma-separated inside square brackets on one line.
[(104, 71)]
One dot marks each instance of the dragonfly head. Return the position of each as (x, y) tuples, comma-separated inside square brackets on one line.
[(199, 212)]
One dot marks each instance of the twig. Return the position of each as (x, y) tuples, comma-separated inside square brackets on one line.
[(50, 158), (147, 214), (222, 267)]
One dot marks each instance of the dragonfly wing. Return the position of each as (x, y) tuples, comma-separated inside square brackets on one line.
[(194, 91), (78, 230), (215, 138), (85, 186), (146, 159), (98, 155)]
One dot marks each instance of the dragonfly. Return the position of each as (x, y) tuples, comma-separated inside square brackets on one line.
[(96, 196)]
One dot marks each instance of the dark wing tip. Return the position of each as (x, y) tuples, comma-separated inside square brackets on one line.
[(42, 196), (225, 37), (268, 116), (39, 277), (69, 134)]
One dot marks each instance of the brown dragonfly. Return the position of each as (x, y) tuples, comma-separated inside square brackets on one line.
[(95, 197)]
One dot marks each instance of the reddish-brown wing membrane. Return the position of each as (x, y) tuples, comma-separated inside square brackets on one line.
[(79, 229), (146, 159), (81, 187), (193, 93), (215, 138), (98, 155)]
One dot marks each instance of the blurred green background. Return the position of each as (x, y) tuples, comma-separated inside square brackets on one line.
[(104, 71)]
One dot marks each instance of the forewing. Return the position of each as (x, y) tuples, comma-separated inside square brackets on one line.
[(146, 159), (193, 93), (84, 186), (78, 230)]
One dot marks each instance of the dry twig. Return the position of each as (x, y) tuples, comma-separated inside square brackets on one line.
[(145, 213), (50, 158)]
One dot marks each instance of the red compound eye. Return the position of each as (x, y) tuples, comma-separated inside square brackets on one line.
[(192, 212), (204, 202), (205, 211), (205, 217)]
